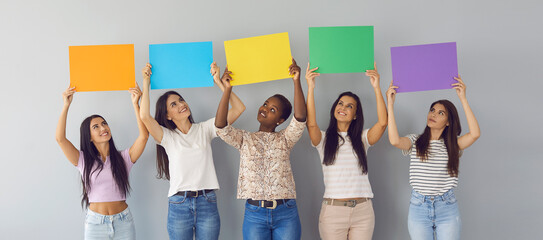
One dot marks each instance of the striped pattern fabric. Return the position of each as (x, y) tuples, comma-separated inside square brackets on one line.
[(344, 179), (431, 177)]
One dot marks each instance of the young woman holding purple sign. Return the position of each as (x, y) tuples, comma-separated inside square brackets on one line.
[(347, 209), (104, 171), (184, 157), (434, 167)]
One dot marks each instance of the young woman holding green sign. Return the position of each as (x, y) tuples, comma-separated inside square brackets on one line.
[(265, 175), (184, 157), (433, 171), (347, 209), (104, 171)]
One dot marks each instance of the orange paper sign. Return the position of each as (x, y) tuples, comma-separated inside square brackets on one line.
[(102, 67)]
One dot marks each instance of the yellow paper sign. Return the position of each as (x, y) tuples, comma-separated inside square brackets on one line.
[(258, 59), (102, 67)]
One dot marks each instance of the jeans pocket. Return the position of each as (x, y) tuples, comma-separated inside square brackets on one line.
[(211, 197), (416, 201), (251, 208), (176, 199), (290, 203), (450, 200)]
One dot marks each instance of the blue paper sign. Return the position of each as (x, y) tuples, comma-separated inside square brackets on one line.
[(181, 65)]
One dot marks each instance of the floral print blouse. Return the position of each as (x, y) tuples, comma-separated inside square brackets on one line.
[(264, 169)]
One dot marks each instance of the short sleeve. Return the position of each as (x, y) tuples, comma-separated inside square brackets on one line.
[(81, 162), (209, 127), (167, 137), (365, 140), (413, 139), (231, 135), (293, 132), (321, 143), (127, 160)]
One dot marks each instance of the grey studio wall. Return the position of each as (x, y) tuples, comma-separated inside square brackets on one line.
[(499, 49)]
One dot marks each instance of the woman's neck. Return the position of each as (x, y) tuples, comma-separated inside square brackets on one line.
[(183, 125), (264, 128), (435, 134), (343, 126), (103, 149)]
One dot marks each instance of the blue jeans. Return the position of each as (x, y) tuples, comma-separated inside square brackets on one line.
[(190, 217), (434, 216), (118, 226), (281, 223)]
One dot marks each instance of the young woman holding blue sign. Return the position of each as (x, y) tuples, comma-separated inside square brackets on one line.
[(104, 171), (433, 171), (347, 209), (184, 157), (265, 176)]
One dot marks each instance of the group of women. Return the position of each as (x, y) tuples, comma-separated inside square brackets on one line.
[(184, 157)]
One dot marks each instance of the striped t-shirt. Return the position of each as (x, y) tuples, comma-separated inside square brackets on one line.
[(430, 177), (344, 179)]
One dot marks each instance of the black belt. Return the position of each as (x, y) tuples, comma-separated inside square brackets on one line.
[(194, 193), (271, 204)]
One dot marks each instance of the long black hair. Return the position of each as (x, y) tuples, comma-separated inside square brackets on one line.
[(450, 137), (331, 141), (161, 116), (93, 162)]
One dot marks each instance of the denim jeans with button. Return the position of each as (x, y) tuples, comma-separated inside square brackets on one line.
[(197, 217), (117, 226), (281, 223), (434, 216)]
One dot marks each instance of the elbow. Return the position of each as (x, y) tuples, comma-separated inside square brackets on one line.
[(476, 135)]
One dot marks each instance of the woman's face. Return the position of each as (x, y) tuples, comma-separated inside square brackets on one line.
[(345, 110), (177, 108), (99, 130), (270, 112), (438, 117)]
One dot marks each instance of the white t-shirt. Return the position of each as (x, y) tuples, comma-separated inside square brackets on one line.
[(344, 179), (191, 159)]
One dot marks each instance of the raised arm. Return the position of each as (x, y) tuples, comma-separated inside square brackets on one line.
[(150, 123), (314, 131), (400, 142), (377, 130), (221, 118), (300, 111), (67, 147), (237, 105), (474, 133), (137, 148)]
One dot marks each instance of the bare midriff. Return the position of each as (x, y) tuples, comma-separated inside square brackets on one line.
[(108, 208)]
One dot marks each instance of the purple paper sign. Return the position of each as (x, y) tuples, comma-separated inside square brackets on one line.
[(424, 67)]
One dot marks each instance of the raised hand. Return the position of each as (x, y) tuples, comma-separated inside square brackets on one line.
[(226, 78), (294, 70), (374, 76), (215, 71), (310, 76), (68, 95), (135, 93), (146, 72), (460, 87), (391, 93)]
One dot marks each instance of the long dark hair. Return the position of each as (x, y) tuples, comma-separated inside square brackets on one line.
[(331, 141), (450, 137), (161, 116), (93, 162)]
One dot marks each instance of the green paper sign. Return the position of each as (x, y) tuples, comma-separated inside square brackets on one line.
[(341, 49)]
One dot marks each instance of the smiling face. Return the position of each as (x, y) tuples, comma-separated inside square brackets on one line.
[(177, 108), (99, 130), (437, 117), (345, 110), (269, 114)]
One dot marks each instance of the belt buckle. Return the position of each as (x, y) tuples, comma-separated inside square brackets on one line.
[(274, 205), (196, 194), (353, 203)]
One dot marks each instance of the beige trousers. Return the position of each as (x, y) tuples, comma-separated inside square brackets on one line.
[(353, 223)]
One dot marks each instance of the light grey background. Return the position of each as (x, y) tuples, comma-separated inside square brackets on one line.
[(499, 52)]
